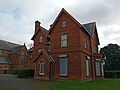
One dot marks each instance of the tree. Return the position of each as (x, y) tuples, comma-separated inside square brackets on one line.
[(30, 45), (111, 57)]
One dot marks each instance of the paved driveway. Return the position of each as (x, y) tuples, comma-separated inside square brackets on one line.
[(10, 81)]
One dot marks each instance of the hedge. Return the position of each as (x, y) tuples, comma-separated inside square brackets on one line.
[(24, 73), (112, 74), (15, 72)]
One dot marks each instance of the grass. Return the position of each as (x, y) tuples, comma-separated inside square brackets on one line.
[(7, 89), (111, 84)]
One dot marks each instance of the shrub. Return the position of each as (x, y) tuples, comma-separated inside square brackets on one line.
[(15, 72), (25, 73), (112, 74)]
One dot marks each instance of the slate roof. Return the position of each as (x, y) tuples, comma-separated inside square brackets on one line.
[(5, 60), (89, 27), (45, 31), (5, 45), (15, 49)]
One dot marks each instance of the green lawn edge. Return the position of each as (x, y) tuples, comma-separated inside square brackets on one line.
[(106, 84)]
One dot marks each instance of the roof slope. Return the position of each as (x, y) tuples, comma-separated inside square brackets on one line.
[(64, 11), (90, 27), (5, 45), (45, 31), (47, 55)]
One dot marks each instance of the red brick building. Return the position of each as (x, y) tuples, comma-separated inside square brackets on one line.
[(68, 50), (12, 56), (18, 57), (30, 61)]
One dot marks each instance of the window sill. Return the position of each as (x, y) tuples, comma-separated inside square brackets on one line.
[(63, 75), (98, 76), (42, 74), (63, 46)]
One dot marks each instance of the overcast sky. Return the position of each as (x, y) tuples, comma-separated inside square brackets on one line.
[(17, 17)]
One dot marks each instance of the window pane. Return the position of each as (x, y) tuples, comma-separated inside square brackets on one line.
[(63, 66), (40, 39), (87, 67), (63, 40), (64, 24), (39, 50), (98, 68), (42, 67), (64, 37)]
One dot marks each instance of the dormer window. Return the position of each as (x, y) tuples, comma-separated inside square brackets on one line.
[(64, 24)]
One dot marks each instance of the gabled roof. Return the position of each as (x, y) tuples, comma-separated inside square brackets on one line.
[(45, 31), (5, 45), (61, 12), (91, 28), (48, 56)]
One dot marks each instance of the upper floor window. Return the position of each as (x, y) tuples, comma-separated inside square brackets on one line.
[(64, 24), (40, 39), (64, 40), (85, 41), (39, 50), (48, 48)]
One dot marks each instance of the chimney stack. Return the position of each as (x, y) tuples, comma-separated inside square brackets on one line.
[(37, 25)]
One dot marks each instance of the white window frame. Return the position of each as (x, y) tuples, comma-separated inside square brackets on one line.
[(87, 67), (64, 40), (48, 48), (64, 24), (98, 72), (42, 68), (61, 65)]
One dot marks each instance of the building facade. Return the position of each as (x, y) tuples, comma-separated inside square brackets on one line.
[(67, 51), (12, 56)]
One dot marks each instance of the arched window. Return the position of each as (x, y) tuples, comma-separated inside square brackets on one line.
[(42, 68)]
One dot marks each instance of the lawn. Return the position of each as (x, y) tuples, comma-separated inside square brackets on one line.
[(111, 84), (7, 89)]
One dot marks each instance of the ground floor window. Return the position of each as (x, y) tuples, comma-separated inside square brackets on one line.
[(42, 68), (63, 65), (87, 67), (97, 67)]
